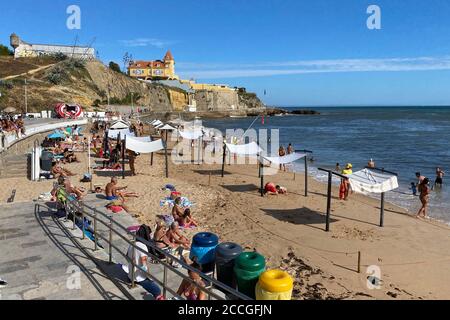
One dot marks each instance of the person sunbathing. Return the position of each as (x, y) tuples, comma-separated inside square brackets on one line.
[(71, 189), (186, 220), (69, 156), (57, 170), (113, 192), (176, 238), (58, 150), (161, 240), (272, 189), (177, 211), (191, 289)]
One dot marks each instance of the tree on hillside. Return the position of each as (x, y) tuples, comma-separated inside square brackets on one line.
[(114, 67), (5, 51), (127, 58)]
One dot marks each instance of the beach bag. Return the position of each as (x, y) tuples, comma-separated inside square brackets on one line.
[(87, 178)]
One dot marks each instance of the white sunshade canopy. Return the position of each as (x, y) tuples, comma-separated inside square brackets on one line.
[(140, 146), (119, 125), (250, 149), (167, 127), (286, 159), (157, 123), (370, 181), (113, 134), (191, 134)]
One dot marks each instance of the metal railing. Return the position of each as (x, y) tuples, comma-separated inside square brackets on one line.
[(77, 210)]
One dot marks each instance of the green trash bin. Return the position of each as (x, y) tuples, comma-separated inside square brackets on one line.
[(248, 267)]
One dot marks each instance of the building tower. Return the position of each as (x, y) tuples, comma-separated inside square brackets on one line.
[(14, 42), (170, 65)]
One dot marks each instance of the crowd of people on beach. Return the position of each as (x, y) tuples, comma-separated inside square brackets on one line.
[(10, 125), (167, 236)]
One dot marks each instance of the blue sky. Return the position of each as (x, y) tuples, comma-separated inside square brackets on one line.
[(303, 53)]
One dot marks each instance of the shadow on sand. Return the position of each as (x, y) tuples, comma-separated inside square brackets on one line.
[(243, 188), (212, 172), (303, 216)]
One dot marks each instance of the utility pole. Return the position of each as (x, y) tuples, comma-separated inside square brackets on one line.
[(26, 97)]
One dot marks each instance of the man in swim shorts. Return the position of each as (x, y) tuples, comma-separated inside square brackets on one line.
[(111, 190), (439, 177)]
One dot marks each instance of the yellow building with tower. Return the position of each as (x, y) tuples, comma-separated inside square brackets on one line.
[(154, 70)]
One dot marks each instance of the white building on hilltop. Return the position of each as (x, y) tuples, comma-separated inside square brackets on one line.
[(23, 49)]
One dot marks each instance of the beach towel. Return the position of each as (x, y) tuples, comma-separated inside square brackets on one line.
[(115, 209), (185, 203)]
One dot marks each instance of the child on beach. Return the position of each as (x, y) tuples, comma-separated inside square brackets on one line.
[(414, 188)]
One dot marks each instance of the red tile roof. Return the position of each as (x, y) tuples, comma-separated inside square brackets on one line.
[(169, 56)]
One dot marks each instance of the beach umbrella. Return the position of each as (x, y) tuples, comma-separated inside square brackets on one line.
[(56, 135)]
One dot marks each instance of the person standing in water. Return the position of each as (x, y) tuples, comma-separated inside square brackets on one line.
[(338, 167), (439, 177), (424, 197), (290, 149), (420, 178)]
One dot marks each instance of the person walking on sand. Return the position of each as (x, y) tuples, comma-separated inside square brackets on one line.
[(282, 153), (344, 188), (132, 160), (424, 197), (439, 177)]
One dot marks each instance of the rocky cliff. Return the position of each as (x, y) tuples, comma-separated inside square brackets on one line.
[(90, 84)]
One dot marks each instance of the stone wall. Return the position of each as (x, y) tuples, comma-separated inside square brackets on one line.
[(217, 101)]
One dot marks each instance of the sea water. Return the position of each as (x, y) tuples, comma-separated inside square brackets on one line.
[(404, 140)]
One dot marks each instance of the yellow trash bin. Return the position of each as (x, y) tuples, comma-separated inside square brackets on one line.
[(274, 285)]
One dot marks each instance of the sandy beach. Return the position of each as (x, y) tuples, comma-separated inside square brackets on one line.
[(413, 255)]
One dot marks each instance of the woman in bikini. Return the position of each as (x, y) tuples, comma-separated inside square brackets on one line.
[(161, 240), (424, 197), (177, 211), (191, 290), (186, 221)]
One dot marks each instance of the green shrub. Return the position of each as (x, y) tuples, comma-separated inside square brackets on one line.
[(5, 51)]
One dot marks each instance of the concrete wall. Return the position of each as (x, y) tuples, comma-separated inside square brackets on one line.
[(24, 144)]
